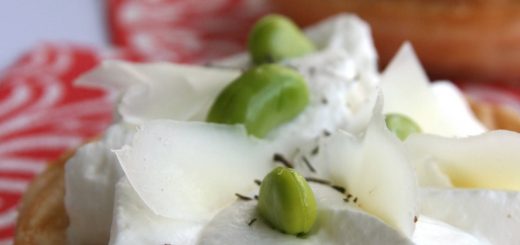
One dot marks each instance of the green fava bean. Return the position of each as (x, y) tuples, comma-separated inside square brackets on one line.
[(287, 202), (401, 125), (262, 98), (275, 38)]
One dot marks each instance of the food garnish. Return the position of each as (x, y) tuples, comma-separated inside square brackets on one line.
[(287, 202), (401, 125), (262, 98), (275, 38)]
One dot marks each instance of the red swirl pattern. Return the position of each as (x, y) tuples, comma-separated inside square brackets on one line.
[(42, 113), (184, 31)]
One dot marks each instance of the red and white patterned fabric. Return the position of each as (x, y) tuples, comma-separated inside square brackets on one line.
[(187, 31), (42, 113)]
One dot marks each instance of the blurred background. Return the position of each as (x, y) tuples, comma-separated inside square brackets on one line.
[(473, 40), (26, 23), (464, 39)]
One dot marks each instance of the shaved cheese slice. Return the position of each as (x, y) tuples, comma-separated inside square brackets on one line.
[(191, 170), (455, 110), (161, 90), (91, 174), (375, 170), (438, 109), (490, 160), (488, 215), (338, 223), (430, 174), (406, 90)]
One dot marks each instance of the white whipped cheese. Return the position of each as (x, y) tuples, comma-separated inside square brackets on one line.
[(182, 198), (342, 79), (135, 223), (167, 208), (338, 100), (89, 194), (352, 35), (177, 183), (338, 223), (430, 231), (168, 91), (488, 215)]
